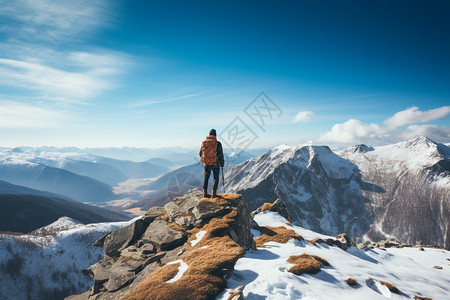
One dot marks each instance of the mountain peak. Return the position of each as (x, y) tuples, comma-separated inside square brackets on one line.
[(362, 148), (420, 140)]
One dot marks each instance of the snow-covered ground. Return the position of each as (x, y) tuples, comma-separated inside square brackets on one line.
[(47, 264), (265, 276)]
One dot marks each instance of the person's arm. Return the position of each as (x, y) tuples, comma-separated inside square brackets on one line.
[(220, 157), (200, 152)]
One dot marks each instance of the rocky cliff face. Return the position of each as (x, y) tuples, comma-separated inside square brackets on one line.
[(191, 242)]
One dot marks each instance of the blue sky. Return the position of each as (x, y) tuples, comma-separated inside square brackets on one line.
[(154, 74)]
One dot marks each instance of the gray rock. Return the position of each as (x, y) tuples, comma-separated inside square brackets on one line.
[(280, 207), (119, 279), (187, 202), (101, 241), (121, 238), (148, 249), (160, 234), (345, 240), (206, 210), (153, 213), (361, 246), (172, 210), (99, 271)]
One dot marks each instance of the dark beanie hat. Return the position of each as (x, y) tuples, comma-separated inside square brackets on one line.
[(212, 132)]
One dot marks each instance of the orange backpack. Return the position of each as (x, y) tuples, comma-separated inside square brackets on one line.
[(209, 150)]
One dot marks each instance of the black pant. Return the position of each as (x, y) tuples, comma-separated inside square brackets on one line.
[(216, 170)]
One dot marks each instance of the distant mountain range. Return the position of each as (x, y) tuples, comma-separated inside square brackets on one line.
[(82, 177), (401, 190), (177, 182)]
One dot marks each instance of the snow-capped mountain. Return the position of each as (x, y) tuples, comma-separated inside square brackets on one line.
[(321, 190), (400, 190), (107, 170), (414, 176), (47, 263)]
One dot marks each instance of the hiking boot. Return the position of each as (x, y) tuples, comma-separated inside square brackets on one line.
[(206, 195), (214, 195)]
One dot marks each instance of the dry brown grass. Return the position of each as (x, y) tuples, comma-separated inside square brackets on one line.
[(204, 278), (437, 267), (306, 263), (165, 217), (222, 199), (294, 258), (289, 223), (391, 287), (266, 206), (422, 298), (351, 281), (275, 234), (176, 227)]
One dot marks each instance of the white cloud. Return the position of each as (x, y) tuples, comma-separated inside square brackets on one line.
[(414, 115), (52, 20), (436, 133), (303, 116), (355, 132), (352, 131), (19, 115)]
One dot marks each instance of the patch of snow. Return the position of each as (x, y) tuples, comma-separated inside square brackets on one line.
[(181, 269), (198, 237)]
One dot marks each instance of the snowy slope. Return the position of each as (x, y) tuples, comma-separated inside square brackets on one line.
[(264, 274), (47, 263)]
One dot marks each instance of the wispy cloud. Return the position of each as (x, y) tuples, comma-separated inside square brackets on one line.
[(303, 116), (162, 100), (85, 75), (34, 59), (49, 20), (20, 115), (356, 131)]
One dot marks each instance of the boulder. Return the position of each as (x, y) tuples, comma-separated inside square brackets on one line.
[(121, 238), (277, 206), (153, 213), (100, 271), (345, 240), (160, 234), (205, 210)]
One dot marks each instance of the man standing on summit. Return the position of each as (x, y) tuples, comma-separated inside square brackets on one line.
[(211, 154)]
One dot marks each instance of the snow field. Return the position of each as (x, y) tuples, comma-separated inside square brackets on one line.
[(264, 272)]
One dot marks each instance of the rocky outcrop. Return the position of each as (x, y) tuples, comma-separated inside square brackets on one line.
[(277, 206), (342, 241), (166, 234)]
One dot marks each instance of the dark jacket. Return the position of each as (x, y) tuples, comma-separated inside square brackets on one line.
[(219, 153)]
